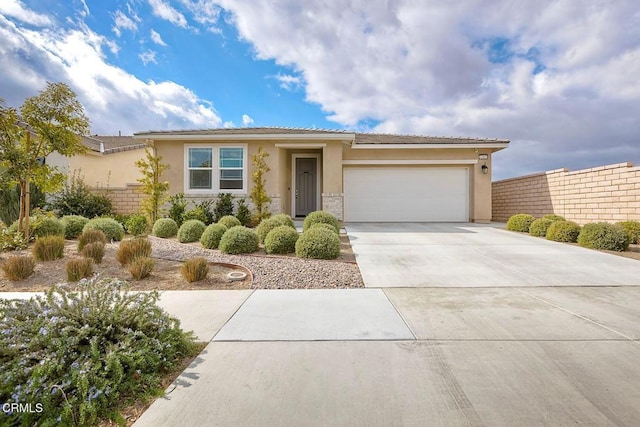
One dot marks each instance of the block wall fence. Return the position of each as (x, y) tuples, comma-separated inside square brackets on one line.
[(126, 200), (607, 193)]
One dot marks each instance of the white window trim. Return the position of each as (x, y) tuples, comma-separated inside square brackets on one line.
[(215, 178)]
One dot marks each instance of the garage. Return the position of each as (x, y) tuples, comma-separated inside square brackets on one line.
[(410, 194)]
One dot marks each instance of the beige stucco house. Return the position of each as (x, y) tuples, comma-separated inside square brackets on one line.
[(359, 177)]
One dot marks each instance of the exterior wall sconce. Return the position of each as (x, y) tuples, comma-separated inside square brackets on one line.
[(485, 169)]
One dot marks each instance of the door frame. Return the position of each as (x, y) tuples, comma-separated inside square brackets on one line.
[(295, 156)]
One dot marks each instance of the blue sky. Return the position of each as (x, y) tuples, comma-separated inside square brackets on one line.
[(559, 78)]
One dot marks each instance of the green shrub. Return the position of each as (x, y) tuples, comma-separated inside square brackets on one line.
[(554, 217), (244, 214), (48, 226), (18, 268), (323, 217), (73, 225), (77, 199), (284, 219), (520, 222), (323, 225), (94, 250), (12, 240), (165, 227), (141, 267), (632, 228), (239, 240), (130, 250), (48, 248), (79, 269), (197, 213), (563, 231), (318, 243), (195, 269), (224, 207), (91, 236), (191, 231), (210, 239), (281, 240), (13, 228), (538, 228), (602, 235), (177, 209), (229, 221), (137, 224), (111, 228), (81, 354), (266, 225)]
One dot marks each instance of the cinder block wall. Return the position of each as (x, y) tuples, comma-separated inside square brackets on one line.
[(126, 200), (607, 193)]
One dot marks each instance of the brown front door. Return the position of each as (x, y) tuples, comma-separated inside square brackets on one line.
[(306, 186)]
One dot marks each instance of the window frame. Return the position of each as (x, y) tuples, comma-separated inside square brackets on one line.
[(215, 169)]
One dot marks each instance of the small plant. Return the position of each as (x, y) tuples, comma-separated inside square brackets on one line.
[(19, 267), (191, 231), (91, 236), (539, 227), (321, 216), (210, 239), (164, 228), (284, 219), (318, 243), (132, 249), (229, 221), (563, 231), (632, 228), (77, 199), (258, 193), (155, 190), (73, 225), (224, 206), (48, 226), (520, 222), (195, 269), (48, 248), (111, 228), (270, 223), (12, 240), (94, 250), (178, 208), (281, 240), (554, 217), (141, 267), (198, 213), (602, 235), (137, 225), (323, 225), (79, 269), (244, 214), (239, 240)]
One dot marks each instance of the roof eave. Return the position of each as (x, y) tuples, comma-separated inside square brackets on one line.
[(245, 137)]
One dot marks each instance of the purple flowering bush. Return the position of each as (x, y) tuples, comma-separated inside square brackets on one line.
[(78, 355)]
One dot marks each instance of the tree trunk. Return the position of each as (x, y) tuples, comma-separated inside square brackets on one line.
[(21, 207), (27, 206)]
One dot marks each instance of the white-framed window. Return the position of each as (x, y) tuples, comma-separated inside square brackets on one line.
[(214, 168)]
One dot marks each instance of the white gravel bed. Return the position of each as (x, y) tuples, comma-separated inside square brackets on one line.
[(270, 272)]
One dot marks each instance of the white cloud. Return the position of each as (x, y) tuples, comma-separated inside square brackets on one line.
[(563, 81), (246, 120), (148, 56), (16, 9), (165, 11), (123, 22), (113, 98), (288, 82), (229, 124), (205, 12), (156, 38)]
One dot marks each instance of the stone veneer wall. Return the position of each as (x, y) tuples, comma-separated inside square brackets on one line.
[(126, 200), (607, 193), (334, 204)]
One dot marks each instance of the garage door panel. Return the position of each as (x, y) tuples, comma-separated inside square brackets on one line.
[(406, 194)]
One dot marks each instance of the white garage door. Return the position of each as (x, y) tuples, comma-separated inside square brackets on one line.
[(387, 194)]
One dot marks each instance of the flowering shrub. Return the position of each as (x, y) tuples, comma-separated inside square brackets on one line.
[(80, 354)]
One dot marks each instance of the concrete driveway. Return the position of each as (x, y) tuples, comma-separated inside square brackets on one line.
[(478, 255)]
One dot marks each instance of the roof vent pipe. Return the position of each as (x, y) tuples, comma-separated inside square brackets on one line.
[(102, 147), (119, 133)]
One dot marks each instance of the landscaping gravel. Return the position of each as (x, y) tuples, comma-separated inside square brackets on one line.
[(270, 272)]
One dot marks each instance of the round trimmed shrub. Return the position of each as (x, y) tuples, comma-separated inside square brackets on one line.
[(563, 231), (554, 217), (602, 235), (229, 221), (281, 240), (191, 231), (239, 240), (520, 222), (73, 225), (109, 226), (318, 243), (266, 225), (284, 219), (210, 239), (632, 228), (539, 227), (164, 228), (322, 217), (323, 225), (48, 226)]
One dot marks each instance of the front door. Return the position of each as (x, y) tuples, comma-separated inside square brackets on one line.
[(306, 185)]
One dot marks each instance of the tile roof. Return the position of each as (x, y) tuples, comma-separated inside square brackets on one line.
[(111, 144)]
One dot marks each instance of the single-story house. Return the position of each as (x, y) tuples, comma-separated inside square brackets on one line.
[(359, 177)]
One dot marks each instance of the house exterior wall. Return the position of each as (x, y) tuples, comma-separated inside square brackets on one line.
[(606, 193), (108, 170), (126, 200)]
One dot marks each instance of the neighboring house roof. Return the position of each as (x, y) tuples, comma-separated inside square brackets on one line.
[(107, 144), (354, 137)]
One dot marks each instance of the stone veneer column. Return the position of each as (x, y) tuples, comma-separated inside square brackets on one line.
[(334, 204)]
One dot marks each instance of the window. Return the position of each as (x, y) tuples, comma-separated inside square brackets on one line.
[(231, 168), (200, 168)]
